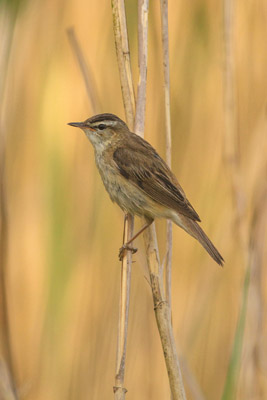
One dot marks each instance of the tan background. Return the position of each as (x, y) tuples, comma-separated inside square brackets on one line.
[(64, 233)]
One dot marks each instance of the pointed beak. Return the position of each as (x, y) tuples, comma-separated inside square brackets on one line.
[(77, 124), (81, 125)]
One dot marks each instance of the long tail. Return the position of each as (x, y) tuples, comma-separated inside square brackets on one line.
[(197, 232)]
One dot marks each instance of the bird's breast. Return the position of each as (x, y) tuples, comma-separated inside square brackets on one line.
[(120, 190)]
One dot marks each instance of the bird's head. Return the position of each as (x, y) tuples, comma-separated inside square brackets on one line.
[(102, 130)]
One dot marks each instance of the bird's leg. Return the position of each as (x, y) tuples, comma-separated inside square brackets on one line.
[(124, 226), (126, 246), (139, 232)]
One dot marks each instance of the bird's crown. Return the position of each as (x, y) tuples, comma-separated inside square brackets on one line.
[(103, 121)]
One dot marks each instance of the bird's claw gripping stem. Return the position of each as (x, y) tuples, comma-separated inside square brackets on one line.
[(124, 248)]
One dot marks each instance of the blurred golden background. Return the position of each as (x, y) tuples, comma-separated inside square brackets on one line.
[(63, 233)]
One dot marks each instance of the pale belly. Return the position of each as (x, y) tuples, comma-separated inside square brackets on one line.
[(130, 199)]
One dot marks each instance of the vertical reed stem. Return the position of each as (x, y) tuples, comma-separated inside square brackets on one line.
[(166, 69), (123, 58)]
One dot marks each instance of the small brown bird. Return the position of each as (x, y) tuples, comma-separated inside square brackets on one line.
[(138, 180)]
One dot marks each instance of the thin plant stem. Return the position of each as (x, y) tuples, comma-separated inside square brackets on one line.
[(5, 316), (163, 317), (123, 59), (139, 126), (161, 306), (166, 69), (119, 389)]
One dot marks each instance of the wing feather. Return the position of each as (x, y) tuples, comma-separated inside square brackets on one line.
[(140, 164)]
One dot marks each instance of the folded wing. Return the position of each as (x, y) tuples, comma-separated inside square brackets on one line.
[(141, 165)]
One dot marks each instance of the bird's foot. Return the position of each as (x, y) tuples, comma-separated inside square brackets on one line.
[(124, 249)]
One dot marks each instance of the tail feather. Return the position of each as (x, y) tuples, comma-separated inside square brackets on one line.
[(207, 244), (197, 232)]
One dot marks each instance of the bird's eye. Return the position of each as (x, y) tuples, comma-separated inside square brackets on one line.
[(101, 127)]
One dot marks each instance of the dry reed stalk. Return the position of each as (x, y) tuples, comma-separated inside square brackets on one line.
[(161, 306), (123, 58), (119, 389), (163, 317), (139, 126), (7, 388), (168, 263), (166, 69), (8, 368)]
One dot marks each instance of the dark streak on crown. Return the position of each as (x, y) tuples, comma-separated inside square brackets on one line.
[(104, 117)]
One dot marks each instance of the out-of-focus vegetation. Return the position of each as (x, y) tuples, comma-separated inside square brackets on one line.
[(62, 271)]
